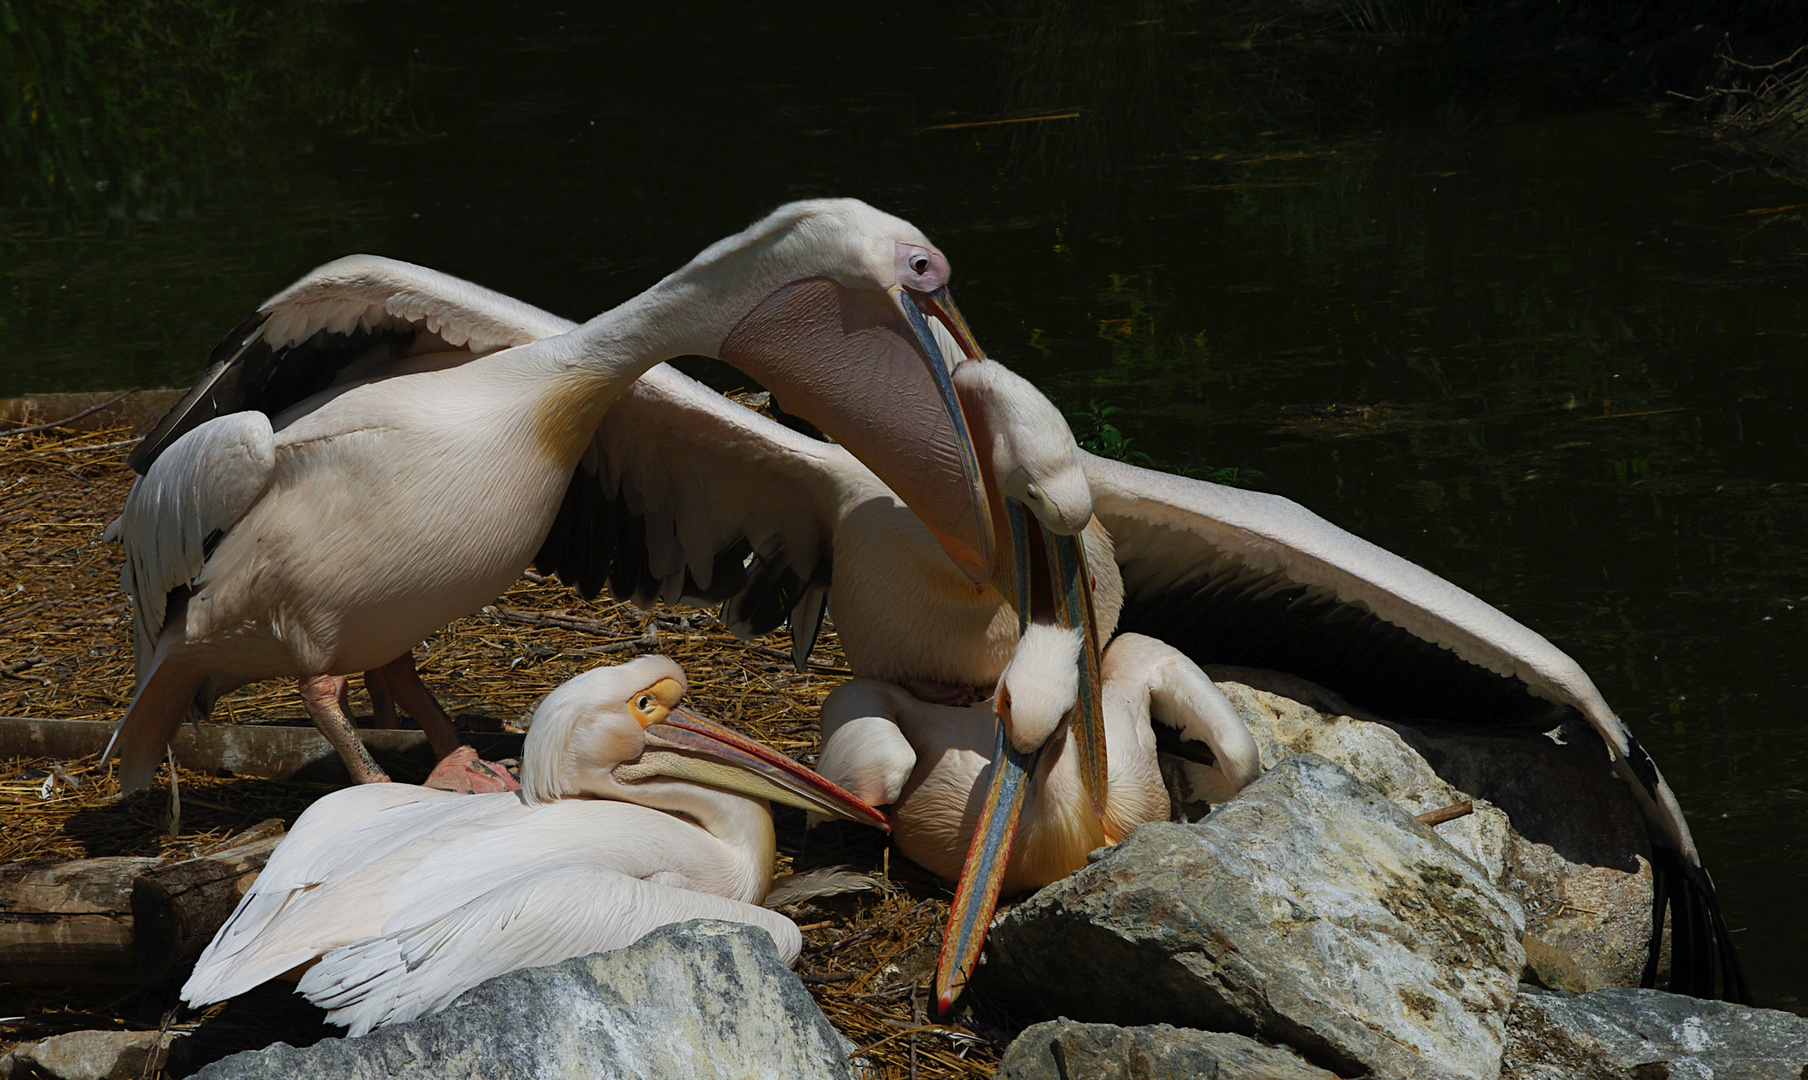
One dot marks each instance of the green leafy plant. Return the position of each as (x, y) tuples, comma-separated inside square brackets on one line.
[(1095, 432)]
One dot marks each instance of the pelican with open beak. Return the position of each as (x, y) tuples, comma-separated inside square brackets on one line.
[(379, 450)]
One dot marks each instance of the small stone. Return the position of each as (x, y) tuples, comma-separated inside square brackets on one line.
[(87, 1055), (1062, 1049)]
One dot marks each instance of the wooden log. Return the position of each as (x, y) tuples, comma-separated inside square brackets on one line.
[(250, 749), (177, 908), (68, 923)]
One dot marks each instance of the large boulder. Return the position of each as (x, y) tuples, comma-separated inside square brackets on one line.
[(1650, 1035), (699, 999), (1553, 825), (1062, 1049), (1309, 910)]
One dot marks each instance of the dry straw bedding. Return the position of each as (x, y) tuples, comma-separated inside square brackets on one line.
[(66, 653)]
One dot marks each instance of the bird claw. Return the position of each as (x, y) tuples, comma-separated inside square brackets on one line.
[(463, 772)]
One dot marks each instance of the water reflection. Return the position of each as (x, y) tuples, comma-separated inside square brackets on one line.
[(1551, 355)]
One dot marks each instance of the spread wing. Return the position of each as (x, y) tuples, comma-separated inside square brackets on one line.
[(346, 320), (687, 495), (1239, 577)]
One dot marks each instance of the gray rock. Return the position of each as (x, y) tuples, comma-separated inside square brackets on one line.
[(86, 1055), (699, 999), (1650, 1035), (1309, 910), (1064, 1050), (1552, 825), (1377, 755)]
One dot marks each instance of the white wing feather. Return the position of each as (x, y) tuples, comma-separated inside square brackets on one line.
[(705, 471), (550, 915), (410, 896), (368, 292), (200, 486)]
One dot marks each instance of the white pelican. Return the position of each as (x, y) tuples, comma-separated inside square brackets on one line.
[(396, 444), (633, 813), (685, 494), (934, 765)]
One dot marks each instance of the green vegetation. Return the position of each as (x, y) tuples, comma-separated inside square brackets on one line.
[(143, 106)]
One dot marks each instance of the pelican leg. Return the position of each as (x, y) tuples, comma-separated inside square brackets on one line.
[(382, 703), (404, 685), (320, 693), (459, 768)]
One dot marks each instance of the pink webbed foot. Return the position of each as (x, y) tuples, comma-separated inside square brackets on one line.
[(462, 771)]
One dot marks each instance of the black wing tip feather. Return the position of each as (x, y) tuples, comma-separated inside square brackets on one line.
[(596, 541), (184, 415), (1703, 960)]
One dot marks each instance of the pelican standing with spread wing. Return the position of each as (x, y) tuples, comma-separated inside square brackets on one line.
[(634, 813), (360, 499)]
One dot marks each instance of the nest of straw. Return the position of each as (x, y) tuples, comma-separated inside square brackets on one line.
[(66, 653)]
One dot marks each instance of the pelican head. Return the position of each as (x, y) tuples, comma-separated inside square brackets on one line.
[(620, 733), (1036, 484), (851, 318), (1027, 451), (1039, 686)]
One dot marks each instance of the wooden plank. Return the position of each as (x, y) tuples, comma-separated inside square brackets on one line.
[(264, 750)]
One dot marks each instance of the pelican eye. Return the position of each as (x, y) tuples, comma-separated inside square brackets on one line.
[(920, 264), (1034, 494), (648, 707)]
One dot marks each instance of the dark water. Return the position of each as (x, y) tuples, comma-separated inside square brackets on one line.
[(1553, 354)]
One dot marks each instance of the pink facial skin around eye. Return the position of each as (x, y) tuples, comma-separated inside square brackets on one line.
[(920, 269)]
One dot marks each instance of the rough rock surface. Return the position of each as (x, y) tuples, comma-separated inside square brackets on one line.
[(1597, 916), (1062, 1049), (699, 999), (1309, 910), (1380, 758), (1552, 824), (86, 1055), (1650, 1035)]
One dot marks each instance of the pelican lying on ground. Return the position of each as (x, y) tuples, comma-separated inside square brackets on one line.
[(634, 813), (361, 498), (683, 493), (934, 764)]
